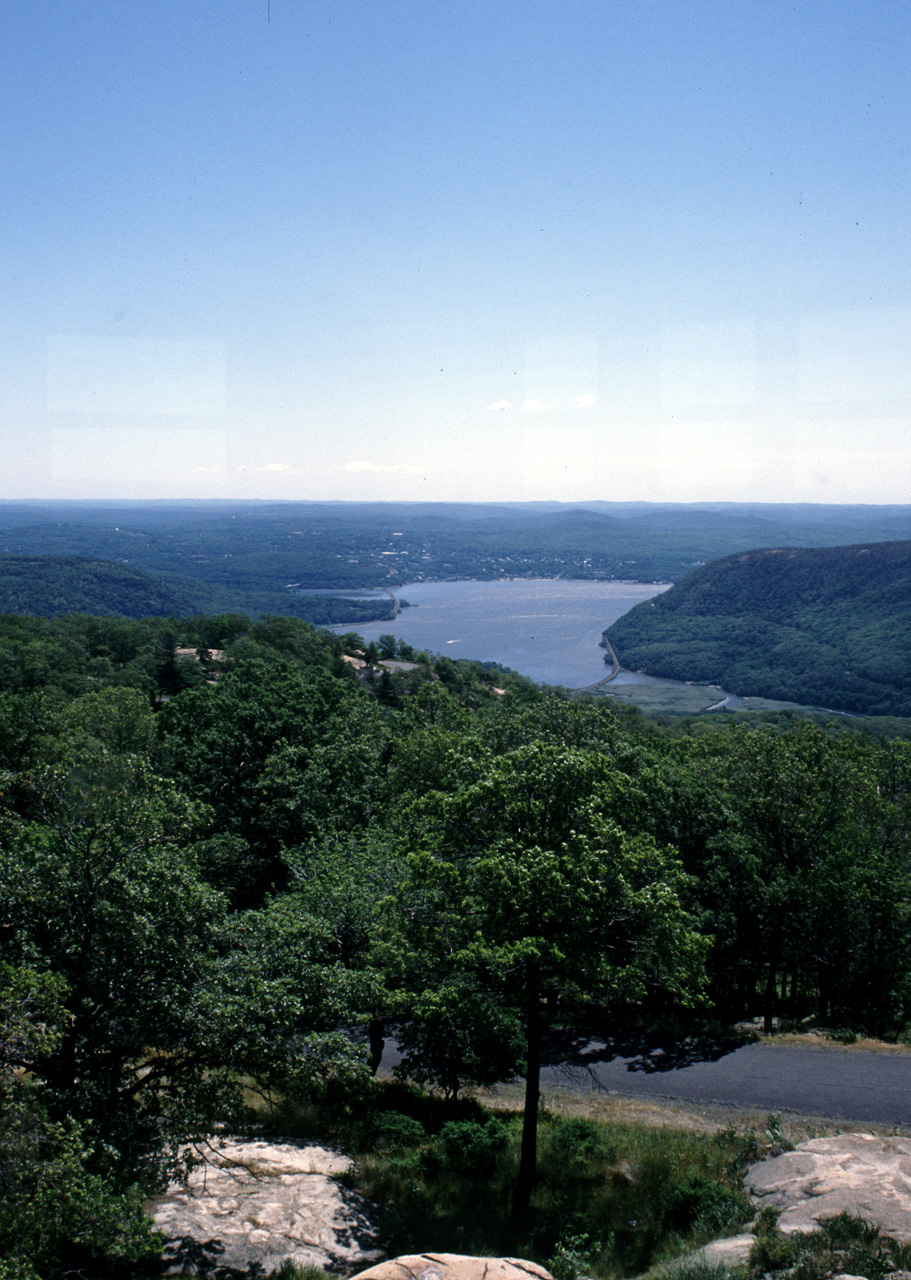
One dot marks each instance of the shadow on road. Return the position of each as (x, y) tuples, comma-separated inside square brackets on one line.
[(573, 1054)]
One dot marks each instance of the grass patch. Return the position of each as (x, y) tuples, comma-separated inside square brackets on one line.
[(611, 1200), (842, 1245), (668, 697), (697, 1268), (663, 698), (289, 1270)]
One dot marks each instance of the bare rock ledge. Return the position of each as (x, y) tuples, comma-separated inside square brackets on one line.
[(253, 1205), (856, 1173), (454, 1266)]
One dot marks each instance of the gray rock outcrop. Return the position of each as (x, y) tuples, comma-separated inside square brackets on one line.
[(730, 1252), (255, 1204), (855, 1173), (454, 1266)]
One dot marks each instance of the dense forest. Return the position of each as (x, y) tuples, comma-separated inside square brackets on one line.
[(826, 627), (235, 854), (48, 586)]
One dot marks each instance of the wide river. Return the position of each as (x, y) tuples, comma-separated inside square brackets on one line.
[(547, 628)]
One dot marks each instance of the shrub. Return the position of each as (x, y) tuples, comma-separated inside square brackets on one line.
[(843, 1035), (701, 1203), (575, 1142), (573, 1257), (844, 1244), (468, 1149), (392, 1129)]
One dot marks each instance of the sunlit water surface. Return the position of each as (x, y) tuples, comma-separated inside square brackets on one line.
[(546, 628)]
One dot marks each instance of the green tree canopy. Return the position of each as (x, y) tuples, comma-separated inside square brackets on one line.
[(526, 902)]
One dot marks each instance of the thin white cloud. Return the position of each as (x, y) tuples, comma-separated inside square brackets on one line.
[(583, 401), (207, 471), (557, 365), (499, 405), (391, 468), (275, 466), (531, 406)]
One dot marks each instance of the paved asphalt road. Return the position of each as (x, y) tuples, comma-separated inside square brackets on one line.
[(833, 1083)]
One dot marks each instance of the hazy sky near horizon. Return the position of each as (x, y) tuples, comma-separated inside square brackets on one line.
[(408, 250)]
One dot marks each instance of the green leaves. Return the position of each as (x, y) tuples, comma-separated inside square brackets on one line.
[(526, 895), (454, 1034), (526, 903), (824, 626), (162, 1000), (55, 1213)]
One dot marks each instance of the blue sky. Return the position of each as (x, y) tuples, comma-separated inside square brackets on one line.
[(473, 251)]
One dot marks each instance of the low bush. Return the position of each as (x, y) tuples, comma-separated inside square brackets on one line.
[(573, 1258), (843, 1035), (467, 1149), (844, 1245), (608, 1201), (695, 1268), (704, 1204), (394, 1130), (567, 1143), (289, 1270)]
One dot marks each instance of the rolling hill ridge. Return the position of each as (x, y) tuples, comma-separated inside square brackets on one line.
[(826, 626), (47, 586)]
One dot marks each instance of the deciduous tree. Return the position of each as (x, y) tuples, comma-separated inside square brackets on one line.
[(527, 899)]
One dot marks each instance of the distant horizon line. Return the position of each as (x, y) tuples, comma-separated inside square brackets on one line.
[(450, 502)]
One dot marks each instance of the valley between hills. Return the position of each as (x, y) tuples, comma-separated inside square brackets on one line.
[(785, 606), (241, 854)]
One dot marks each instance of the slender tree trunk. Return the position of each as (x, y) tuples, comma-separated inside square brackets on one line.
[(62, 1070), (528, 1160), (769, 1009), (376, 1032)]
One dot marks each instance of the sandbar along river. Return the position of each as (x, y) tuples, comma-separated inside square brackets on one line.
[(549, 629)]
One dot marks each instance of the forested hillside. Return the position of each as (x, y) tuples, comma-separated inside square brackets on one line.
[(826, 627), (48, 586), (238, 853)]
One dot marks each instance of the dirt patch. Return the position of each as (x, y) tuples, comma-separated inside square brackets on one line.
[(824, 1040), (614, 1108)]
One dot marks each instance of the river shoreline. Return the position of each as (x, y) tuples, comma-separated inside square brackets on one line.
[(548, 629)]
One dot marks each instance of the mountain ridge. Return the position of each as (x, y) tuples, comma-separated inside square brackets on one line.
[(826, 626)]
